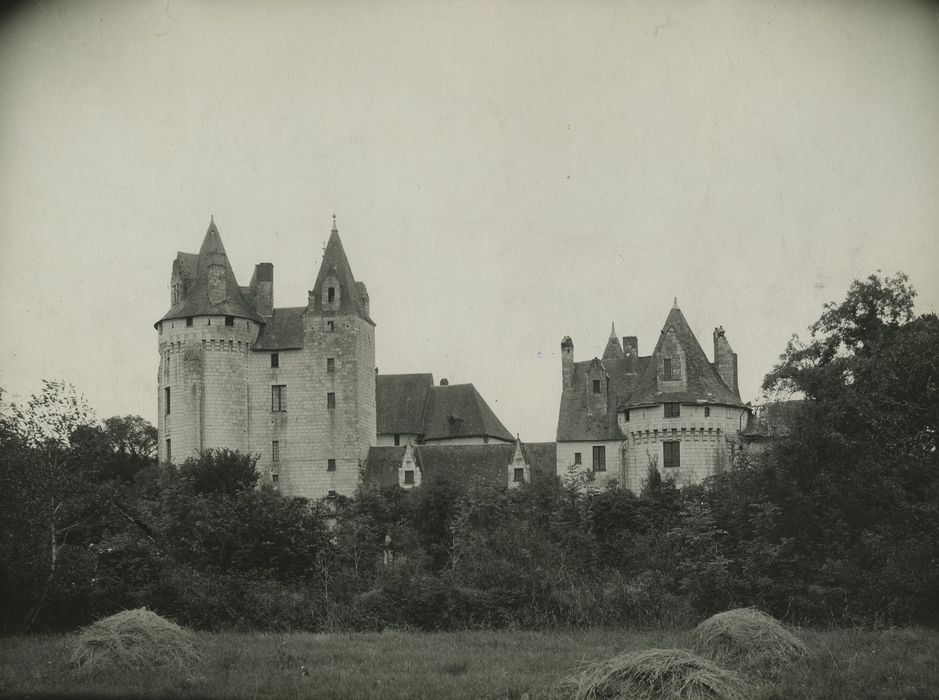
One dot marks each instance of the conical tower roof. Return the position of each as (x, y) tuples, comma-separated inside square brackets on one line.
[(613, 351), (335, 266), (205, 299), (703, 383)]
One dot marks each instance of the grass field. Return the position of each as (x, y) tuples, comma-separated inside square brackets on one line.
[(844, 664)]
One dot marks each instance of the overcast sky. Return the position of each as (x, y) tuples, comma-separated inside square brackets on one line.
[(503, 173)]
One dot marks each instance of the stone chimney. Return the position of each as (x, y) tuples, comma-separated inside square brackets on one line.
[(631, 350), (725, 360), (567, 362), (262, 285)]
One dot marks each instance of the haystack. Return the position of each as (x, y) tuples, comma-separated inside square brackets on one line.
[(134, 640), (657, 674), (747, 639)]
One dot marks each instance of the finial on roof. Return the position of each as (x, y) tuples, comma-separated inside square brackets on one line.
[(335, 230), (675, 303), (613, 330)]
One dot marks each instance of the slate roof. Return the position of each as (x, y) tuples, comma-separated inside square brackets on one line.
[(399, 402), (457, 410), (283, 330), (613, 351), (461, 464), (195, 272), (704, 384), (352, 294), (574, 419)]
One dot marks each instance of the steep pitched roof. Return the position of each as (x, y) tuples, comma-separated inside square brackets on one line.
[(399, 402), (703, 383), (352, 295), (613, 351), (460, 464), (575, 421), (283, 330), (457, 410), (197, 299)]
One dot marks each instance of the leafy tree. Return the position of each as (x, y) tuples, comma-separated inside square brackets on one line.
[(220, 471)]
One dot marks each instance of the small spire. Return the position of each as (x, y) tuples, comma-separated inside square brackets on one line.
[(613, 330), (675, 303), (335, 230)]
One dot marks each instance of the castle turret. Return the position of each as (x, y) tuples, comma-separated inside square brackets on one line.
[(725, 360), (567, 362), (204, 343), (613, 351)]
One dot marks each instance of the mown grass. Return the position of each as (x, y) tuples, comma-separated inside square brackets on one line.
[(844, 664)]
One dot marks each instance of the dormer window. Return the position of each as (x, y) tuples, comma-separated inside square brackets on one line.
[(667, 368), (330, 294), (596, 386)]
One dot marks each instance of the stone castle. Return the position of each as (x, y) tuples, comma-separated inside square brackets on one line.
[(298, 387)]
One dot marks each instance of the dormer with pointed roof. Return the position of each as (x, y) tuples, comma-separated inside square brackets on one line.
[(613, 351), (205, 285), (335, 290)]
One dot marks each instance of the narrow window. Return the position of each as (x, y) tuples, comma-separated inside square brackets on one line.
[(667, 369), (274, 480), (672, 410), (626, 415), (275, 359), (599, 458), (330, 465), (166, 400), (671, 454), (519, 476), (707, 411), (331, 400), (578, 458), (189, 321), (330, 326), (330, 365), (409, 477), (279, 398), (230, 321), (330, 294), (275, 451), (596, 386), (397, 439), (169, 450), (231, 345)]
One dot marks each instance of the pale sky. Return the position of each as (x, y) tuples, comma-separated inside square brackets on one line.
[(503, 173)]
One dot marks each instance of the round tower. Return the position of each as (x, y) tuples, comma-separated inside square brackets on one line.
[(204, 343)]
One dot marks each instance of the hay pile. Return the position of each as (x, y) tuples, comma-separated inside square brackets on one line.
[(657, 674), (747, 639), (134, 640)]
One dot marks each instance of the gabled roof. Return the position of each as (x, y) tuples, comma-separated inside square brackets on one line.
[(283, 330), (352, 295), (457, 410), (461, 464), (399, 402), (703, 383), (575, 421), (196, 300)]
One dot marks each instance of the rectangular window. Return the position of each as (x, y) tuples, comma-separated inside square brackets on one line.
[(707, 411), (596, 386), (519, 476), (188, 320), (230, 321), (671, 454), (275, 451), (599, 458), (330, 294), (274, 480), (578, 459), (626, 415), (331, 400), (397, 439), (330, 365), (275, 359), (330, 326), (672, 410), (166, 400), (409, 477), (279, 398), (330, 465), (169, 450), (667, 369)]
